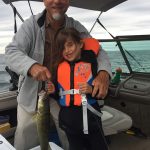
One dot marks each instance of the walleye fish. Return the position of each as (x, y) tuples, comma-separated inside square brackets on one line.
[(43, 120)]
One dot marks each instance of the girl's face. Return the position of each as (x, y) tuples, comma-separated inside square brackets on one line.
[(72, 50)]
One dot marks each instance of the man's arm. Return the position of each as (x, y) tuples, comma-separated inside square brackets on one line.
[(104, 62), (101, 82), (16, 53)]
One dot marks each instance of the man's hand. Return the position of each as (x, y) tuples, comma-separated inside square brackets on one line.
[(39, 72), (101, 84)]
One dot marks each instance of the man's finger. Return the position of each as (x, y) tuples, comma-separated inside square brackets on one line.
[(102, 94), (95, 90), (48, 75)]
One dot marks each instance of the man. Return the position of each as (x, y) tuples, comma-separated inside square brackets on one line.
[(32, 54)]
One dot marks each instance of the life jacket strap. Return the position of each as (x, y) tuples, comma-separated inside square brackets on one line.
[(84, 112), (86, 106), (94, 110)]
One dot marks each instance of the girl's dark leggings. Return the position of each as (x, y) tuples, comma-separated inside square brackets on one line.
[(95, 141)]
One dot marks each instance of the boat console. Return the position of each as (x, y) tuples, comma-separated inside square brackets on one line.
[(137, 86), (132, 96)]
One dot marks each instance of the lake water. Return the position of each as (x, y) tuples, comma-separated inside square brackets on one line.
[(141, 56)]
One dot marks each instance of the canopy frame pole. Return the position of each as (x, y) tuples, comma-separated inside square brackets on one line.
[(16, 11), (95, 21)]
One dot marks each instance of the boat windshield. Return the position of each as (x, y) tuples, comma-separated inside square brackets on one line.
[(136, 50), (138, 54)]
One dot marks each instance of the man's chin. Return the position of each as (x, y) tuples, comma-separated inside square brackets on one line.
[(57, 16)]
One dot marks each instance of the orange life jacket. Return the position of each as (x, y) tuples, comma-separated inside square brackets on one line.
[(69, 75), (91, 44)]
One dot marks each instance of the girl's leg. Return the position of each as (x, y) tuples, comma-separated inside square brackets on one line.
[(97, 141), (75, 141)]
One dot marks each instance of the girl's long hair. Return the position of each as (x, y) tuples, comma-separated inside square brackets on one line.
[(61, 38)]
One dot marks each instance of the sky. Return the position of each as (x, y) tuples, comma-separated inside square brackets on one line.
[(129, 18)]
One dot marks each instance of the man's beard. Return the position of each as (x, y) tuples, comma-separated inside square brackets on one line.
[(57, 16)]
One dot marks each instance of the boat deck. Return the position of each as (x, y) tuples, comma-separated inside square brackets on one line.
[(123, 141)]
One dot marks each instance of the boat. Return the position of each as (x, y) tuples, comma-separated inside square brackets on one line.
[(129, 98)]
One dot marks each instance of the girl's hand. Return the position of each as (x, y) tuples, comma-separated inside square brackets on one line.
[(85, 88), (50, 87)]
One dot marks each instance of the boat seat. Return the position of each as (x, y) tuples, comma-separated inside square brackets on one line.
[(8, 100), (114, 121)]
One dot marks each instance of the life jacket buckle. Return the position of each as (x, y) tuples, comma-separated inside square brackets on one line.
[(74, 91), (84, 99), (70, 92)]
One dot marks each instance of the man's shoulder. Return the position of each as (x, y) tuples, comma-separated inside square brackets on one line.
[(40, 15), (71, 22), (70, 19), (33, 18)]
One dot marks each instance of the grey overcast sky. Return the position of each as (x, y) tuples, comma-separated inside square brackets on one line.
[(129, 18)]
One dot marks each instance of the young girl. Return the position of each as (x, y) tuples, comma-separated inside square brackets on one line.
[(76, 71)]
